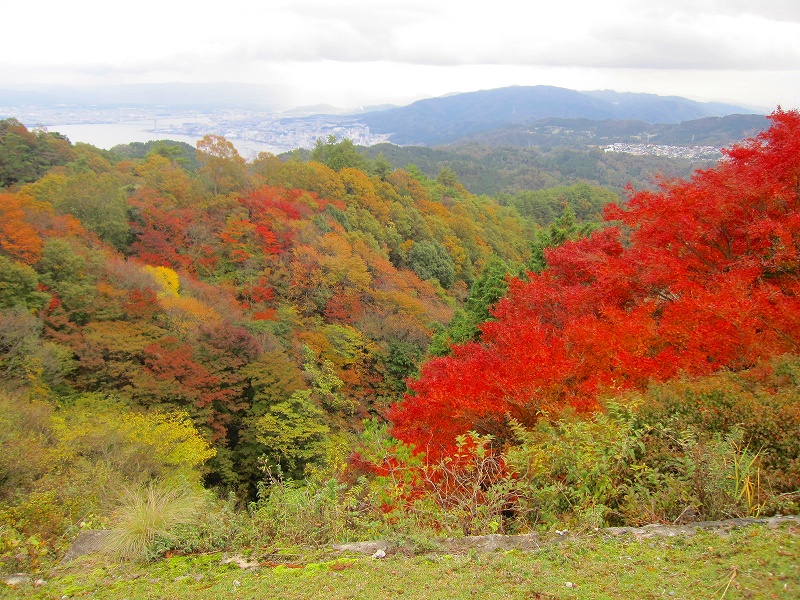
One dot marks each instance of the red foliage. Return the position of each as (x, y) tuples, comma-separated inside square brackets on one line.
[(344, 308), (141, 304), (269, 314), (161, 233), (272, 210), (259, 292), (708, 278)]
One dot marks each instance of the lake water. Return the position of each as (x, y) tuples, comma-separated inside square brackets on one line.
[(108, 135)]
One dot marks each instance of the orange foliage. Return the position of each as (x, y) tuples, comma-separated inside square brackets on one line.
[(17, 238)]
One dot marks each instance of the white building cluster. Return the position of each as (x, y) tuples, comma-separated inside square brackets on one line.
[(688, 152)]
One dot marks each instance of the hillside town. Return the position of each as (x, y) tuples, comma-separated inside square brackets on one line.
[(688, 152)]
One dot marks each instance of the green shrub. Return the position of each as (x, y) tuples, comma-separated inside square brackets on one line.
[(616, 468), (763, 403), (310, 512), (576, 469)]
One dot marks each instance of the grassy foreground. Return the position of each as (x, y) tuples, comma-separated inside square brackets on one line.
[(751, 562)]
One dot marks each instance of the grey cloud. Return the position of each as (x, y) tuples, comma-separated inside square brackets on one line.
[(658, 36), (774, 10), (652, 45)]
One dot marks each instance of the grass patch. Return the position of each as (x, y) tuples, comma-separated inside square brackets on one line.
[(751, 562)]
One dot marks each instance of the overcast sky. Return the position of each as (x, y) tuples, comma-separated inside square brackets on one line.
[(359, 52)]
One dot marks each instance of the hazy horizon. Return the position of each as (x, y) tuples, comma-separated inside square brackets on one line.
[(354, 53)]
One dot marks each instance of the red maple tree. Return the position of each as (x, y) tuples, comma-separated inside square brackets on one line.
[(698, 276)]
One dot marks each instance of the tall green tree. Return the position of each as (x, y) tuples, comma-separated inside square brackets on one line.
[(565, 228), (19, 286), (26, 155), (338, 155), (430, 260), (97, 200), (488, 288)]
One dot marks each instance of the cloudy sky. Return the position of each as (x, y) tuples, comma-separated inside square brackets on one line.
[(359, 52)]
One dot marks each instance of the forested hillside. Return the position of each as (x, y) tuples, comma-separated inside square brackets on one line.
[(277, 303), (496, 171), (344, 349), (553, 132), (698, 277)]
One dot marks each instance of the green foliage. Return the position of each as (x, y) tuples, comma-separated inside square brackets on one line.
[(27, 155), (180, 152), (312, 512), (430, 260), (402, 362), (573, 469), (28, 361), (544, 206), (19, 286), (504, 172), (381, 167), (97, 200), (631, 465), (326, 385), (447, 178), (67, 466), (487, 289), (762, 403), (63, 270), (293, 433), (338, 155), (563, 229)]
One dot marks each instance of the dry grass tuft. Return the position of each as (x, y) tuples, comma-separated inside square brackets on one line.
[(149, 511)]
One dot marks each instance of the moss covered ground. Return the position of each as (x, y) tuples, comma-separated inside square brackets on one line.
[(750, 562)]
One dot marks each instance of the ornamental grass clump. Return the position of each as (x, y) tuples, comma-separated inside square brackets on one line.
[(148, 512)]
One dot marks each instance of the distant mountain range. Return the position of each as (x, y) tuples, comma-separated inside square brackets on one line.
[(448, 119), (517, 116)]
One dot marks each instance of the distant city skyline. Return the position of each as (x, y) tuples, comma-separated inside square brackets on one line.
[(355, 52)]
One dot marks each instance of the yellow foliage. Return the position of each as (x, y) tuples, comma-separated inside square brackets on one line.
[(160, 174), (457, 252), (185, 313), (357, 182), (138, 446), (61, 466), (121, 338), (166, 278), (172, 437)]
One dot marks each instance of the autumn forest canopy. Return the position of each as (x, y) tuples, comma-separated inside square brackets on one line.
[(698, 277), (237, 324)]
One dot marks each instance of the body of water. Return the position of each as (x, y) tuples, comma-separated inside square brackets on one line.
[(108, 135)]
